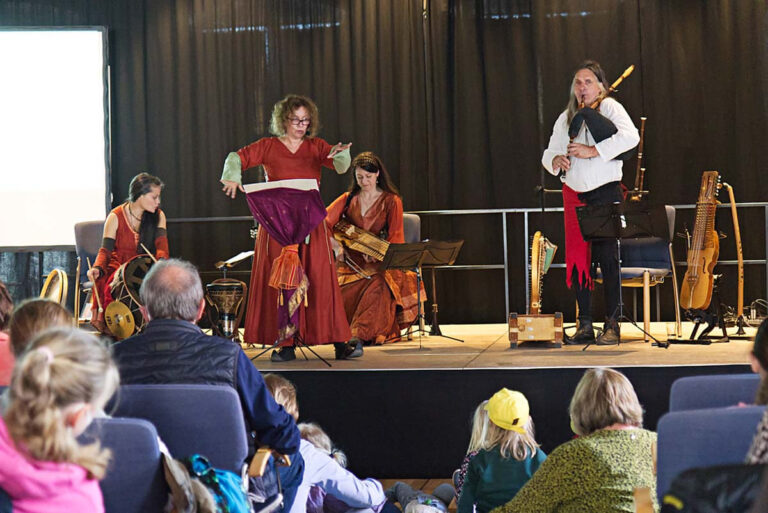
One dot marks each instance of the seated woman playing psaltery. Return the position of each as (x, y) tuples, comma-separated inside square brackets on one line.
[(378, 302)]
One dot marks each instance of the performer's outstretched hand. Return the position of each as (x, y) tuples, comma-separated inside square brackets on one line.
[(338, 148), (230, 188)]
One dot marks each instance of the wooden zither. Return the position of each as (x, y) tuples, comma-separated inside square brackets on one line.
[(353, 237), (546, 330), (704, 247)]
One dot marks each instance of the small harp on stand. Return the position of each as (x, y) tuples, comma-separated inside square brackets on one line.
[(545, 329)]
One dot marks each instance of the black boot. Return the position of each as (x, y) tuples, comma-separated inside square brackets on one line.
[(611, 334), (585, 334), (284, 354)]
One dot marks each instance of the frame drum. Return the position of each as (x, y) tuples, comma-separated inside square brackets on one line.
[(125, 289)]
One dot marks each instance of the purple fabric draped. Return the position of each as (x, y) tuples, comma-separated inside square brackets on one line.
[(288, 215)]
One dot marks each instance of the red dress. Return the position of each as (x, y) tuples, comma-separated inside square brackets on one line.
[(377, 309), (126, 247), (323, 320)]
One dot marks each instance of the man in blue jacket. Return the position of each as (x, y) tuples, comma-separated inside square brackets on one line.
[(173, 349)]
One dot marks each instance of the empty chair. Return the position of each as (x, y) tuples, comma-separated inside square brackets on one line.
[(702, 438), (191, 419), (88, 235), (699, 392), (134, 482), (411, 228)]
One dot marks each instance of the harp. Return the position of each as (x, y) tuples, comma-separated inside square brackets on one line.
[(544, 329)]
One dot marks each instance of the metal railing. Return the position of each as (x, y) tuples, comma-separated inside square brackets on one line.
[(525, 212)]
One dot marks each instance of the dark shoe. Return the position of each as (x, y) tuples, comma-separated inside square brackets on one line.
[(585, 334), (284, 354), (357, 348), (610, 335), (353, 349)]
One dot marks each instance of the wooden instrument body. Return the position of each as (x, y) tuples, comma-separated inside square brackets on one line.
[(545, 330), (358, 239), (696, 289)]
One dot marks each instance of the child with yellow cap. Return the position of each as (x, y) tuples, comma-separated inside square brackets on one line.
[(508, 454)]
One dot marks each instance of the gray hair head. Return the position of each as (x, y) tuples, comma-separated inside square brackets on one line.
[(172, 290)]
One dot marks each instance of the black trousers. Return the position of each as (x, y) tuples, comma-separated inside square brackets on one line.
[(605, 255)]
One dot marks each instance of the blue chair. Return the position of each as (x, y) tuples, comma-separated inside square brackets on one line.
[(646, 262), (191, 419), (135, 482), (699, 392), (702, 438), (88, 235)]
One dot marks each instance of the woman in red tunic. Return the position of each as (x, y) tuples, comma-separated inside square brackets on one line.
[(378, 303), (295, 152), (137, 221)]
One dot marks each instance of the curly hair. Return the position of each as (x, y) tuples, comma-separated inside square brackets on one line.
[(285, 107)]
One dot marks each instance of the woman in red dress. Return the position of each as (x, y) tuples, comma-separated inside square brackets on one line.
[(294, 152), (137, 221), (378, 303)]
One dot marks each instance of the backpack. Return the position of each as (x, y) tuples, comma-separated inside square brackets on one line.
[(719, 489), (226, 487)]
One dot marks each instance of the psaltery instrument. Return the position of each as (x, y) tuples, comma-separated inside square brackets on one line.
[(358, 239), (696, 290)]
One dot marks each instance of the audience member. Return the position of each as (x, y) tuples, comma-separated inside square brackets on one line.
[(320, 468), (507, 456), (28, 319), (6, 358), (598, 471), (479, 420), (416, 501), (58, 384), (318, 501), (758, 451), (173, 349)]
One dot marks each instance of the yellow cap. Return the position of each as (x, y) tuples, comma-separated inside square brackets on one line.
[(508, 409)]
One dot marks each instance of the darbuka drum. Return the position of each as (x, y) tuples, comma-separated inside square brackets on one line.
[(225, 298), (125, 289)]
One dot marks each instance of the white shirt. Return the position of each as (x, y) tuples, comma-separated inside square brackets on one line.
[(589, 174), (323, 471)]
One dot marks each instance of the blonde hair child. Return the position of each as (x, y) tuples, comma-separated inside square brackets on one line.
[(59, 382), (507, 452)]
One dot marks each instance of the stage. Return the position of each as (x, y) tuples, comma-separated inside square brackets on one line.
[(403, 409)]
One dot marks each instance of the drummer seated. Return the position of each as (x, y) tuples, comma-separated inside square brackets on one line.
[(172, 349)]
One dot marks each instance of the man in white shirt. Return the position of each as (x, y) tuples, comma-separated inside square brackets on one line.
[(591, 174)]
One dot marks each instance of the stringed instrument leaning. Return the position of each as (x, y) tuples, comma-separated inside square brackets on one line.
[(704, 247)]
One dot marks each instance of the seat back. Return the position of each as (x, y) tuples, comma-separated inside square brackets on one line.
[(135, 482), (412, 227), (699, 392), (88, 235), (702, 438), (671, 213), (191, 419)]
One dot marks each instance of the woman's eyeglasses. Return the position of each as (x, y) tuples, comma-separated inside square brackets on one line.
[(299, 122)]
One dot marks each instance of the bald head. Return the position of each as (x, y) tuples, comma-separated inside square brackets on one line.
[(172, 290)]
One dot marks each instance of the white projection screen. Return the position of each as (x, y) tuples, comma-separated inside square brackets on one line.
[(54, 134)]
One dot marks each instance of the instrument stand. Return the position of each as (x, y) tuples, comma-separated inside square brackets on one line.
[(413, 256), (298, 344), (603, 222), (712, 316)]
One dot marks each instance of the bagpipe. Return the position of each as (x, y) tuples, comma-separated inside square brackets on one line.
[(598, 125)]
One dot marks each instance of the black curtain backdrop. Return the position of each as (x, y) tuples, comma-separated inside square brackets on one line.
[(457, 96)]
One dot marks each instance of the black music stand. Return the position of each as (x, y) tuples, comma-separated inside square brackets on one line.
[(413, 256), (616, 221)]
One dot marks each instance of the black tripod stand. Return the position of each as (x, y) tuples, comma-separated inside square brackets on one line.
[(413, 256), (615, 222)]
